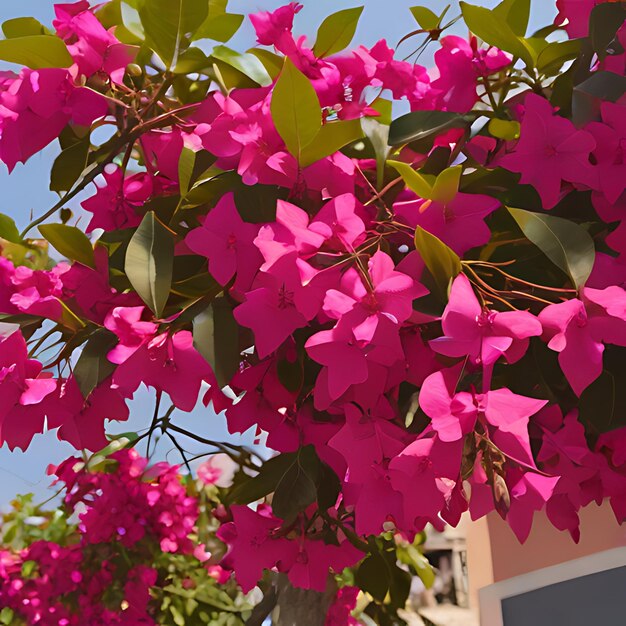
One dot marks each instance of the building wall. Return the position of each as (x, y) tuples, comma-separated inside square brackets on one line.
[(547, 546)]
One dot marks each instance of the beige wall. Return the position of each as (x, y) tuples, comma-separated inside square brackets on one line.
[(479, 558), (547, 546)]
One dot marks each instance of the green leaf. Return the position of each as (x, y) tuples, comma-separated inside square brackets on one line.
[(296, 109), (6, 616), (93, 366), (421, 184), (290, 374), (149, 262), (604, 22), (419, 125), (426, 18), (185, 170), (420, 564), (515, 13), (131, 20), (336, 32), (556, 54), (332, 137), (589, 95), (504, 129), (219, 27), (328, 487), (247, 64), (272, 63), (192, 60), (293, 478), (69, 165), (169, 24), (566, 244), (447, 184), (23, 27), (265, 482), (216, 337), (36, 51), (70, 241), (297, 488), (8, 229), (378, 134), (374, 576), (443, 263), (492, 30)]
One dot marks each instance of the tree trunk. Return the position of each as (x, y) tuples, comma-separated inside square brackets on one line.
[(301, 607)]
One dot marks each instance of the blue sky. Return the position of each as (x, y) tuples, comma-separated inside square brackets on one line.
[(26, 191)]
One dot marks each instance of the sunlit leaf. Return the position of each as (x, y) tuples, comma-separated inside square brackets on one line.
[(426, 18), (8, 229), (442, 262), (490, 28), (515, 13), (331, 138), (419, 125), (23, 27), (421, 184), (149, 262), (247, 64), (504, 129), (336, 32), (565, 243), (70, 241), (296, 109), (35, 51), (169, 24), (447, 184)]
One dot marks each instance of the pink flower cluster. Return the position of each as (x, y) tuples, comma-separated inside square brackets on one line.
[(127, 507), (335, 294)]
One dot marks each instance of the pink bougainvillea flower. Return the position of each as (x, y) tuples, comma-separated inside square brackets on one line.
[(24, 389), (391, 293), (93, 48), (347, 350), (168, 363), (239, 130), (281, 301), (459, 223), (482, 335), (118, 200), (340, 222), (271, 28), (227, 242), (430, 467), (87, 290), (38, 292), (578, 329), (504, 414), (610, 151), (575, 14), (253, 548), (550, 150), (132, 332), (289, 233), (162, 150), (36, 106), (218, 470), (460, 63), (81, 421), (316, 559), (529, 492)]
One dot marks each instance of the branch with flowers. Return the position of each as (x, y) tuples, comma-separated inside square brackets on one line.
[(421, 314)]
